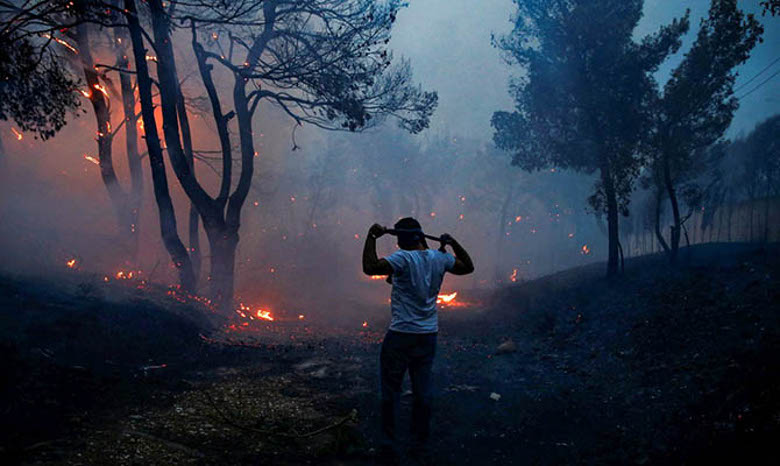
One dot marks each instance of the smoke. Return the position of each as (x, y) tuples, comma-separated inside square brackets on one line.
[(304, 222)]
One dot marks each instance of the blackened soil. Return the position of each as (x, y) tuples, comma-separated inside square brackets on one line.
[(660, 366)]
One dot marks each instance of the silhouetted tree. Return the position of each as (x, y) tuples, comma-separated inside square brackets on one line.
[(697, 104), (323, 62), (582, 99), (760, 156), (36, 92)]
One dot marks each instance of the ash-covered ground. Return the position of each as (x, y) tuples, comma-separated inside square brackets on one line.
[(660, 366)]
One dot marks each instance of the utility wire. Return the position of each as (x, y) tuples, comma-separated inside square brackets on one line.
[(745, 84), (759, 86)]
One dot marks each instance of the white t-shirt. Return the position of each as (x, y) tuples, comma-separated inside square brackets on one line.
[(417, 277)]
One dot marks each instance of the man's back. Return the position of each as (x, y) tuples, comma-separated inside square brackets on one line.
[(417, 279)]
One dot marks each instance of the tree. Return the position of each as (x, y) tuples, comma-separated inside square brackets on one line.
[(760, 156), (323, 62), (35, 91), (581, 103), (697, 104)]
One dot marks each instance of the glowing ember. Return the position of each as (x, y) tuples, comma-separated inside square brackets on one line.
[(265, 315), (446, 298), (61, 42), (433, 214), (378, 277), (151, 58), (513, 277), (17, 134), (300, 316), (71, 264), (92, 159), (365, 324), (585, 249), (86, 93), (102, 89), (518, 218)]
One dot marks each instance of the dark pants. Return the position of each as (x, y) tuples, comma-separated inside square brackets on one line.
[(415, 352)]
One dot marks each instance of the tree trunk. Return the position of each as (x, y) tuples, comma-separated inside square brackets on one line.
[(135, 198), (222, 246), (168, 230), (501, 242), (612, 219), (766, 210), (675, 230), (658, 233), (99, 99)]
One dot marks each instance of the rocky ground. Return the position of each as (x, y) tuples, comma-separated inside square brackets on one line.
[(660, 366)]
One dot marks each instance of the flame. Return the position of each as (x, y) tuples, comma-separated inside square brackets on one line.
[(92, 159), (266, 315), (378, 277), (365, 324), (61, 42), (86, 93), (151, 58), (71, 263), (446, 298), (300, 316), (17, 134), (585, 249), (102, 89), (513, 277), (518, 218)]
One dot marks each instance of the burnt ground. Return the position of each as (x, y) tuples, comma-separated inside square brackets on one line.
[(661, 366)]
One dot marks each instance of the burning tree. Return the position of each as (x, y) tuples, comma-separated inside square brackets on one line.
[(69, 29), (698, 105), (323, 62), (581, 104)]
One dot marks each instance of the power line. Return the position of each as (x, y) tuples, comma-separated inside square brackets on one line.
[(759, 86), (745, 84)]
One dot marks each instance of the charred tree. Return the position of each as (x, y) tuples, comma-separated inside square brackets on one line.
[(168, 228)]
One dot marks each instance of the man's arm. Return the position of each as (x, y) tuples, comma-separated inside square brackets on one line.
[(463, 264), (372, 265)]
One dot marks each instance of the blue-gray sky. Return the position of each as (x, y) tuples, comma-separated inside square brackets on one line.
[(448, 44)]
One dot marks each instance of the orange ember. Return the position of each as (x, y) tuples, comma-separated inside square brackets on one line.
[(513, 277), (585, 249), (446, 298), (378, 277), (17, 134), (71, 263), (92, 159)]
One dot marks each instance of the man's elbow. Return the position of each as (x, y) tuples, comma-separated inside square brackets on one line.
[(369, 269)]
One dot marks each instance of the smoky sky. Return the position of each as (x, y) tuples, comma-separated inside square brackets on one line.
[(448, 44)]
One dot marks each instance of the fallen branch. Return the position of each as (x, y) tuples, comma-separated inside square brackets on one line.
[(352, 416)]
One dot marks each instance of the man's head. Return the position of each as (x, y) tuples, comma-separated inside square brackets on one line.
[(412, 237)]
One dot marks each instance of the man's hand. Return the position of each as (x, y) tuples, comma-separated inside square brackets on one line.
[(447, 239), (463, 264), (376, 230)]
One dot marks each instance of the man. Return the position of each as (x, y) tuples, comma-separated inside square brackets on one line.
[(410, 343)]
